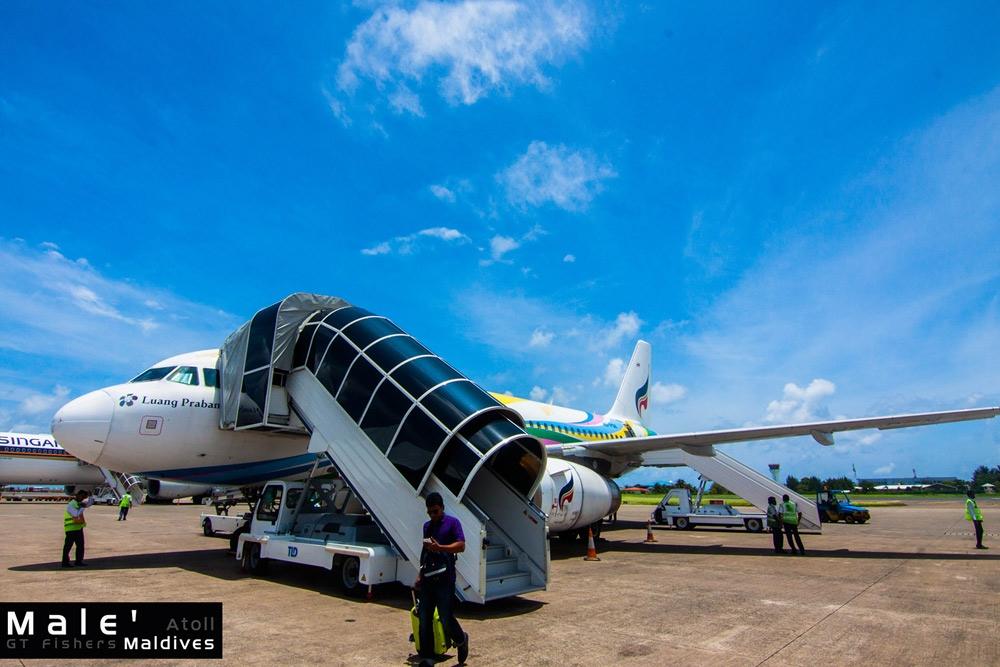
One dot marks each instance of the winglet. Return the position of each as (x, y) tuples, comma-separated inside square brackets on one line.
[(633, 395)]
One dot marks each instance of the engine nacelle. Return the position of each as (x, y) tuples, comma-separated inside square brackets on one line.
[(161, 489), (574, 496)]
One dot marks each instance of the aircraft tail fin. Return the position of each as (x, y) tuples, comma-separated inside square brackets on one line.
[(633, 395)]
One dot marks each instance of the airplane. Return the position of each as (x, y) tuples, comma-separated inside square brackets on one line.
[(165, 423), (37, 458)]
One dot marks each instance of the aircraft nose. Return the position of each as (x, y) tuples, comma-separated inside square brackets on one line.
[(81, 426)]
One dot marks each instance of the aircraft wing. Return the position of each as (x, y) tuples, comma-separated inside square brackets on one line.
[(822, 432)]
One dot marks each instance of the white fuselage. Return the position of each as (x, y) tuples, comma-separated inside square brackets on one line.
[(168, 429), (30, 458)]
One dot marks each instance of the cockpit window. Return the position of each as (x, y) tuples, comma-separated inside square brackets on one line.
[(211, 377), (153, 374), (184, 375)]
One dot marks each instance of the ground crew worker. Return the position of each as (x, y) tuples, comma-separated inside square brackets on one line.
[(443, 539), (73, 523), (975, 515), (774, 525), (790, 516), (123, 506)]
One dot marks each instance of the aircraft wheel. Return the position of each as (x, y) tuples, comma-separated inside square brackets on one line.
[(682, 523), (754, 525), (206, 528)]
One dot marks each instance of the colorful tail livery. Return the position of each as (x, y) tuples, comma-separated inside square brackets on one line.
[(633, 395)]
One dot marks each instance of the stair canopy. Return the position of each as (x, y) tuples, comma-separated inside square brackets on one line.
[(422, 414)]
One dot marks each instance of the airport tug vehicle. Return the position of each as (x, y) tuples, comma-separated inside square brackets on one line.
[(836, 506), (686, 514), (320, 523)]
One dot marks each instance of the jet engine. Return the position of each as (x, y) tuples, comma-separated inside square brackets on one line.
[(574, 496), (164, 490)]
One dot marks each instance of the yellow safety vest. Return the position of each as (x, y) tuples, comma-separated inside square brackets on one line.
[(69, 522), (972, 510), (791, 513), (126, 501)]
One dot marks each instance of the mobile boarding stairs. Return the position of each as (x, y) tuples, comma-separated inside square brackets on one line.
[(396, 422)]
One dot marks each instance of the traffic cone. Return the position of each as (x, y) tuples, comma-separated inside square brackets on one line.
[(649, 532), (591, 549)]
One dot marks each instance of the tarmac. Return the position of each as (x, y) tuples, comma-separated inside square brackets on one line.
[(905, 589)]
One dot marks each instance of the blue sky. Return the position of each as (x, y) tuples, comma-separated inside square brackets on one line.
[(797, 205)]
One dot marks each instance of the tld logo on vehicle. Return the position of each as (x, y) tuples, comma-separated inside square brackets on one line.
[(293, 552)]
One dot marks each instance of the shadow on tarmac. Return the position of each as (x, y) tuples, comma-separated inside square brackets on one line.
[(221, 564)]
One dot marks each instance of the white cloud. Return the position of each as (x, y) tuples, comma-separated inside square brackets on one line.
[(561, 396), (470, 48), (443, 233), (667, 393), (65, 323), (379, 249), (39, 403), (626, 326), (404, 99), (555, 175), (799, 404), (886, 469), (500, 246), (614, 372), (409, 244), (86, 299), (538, 393), (540, 338), (443, 193), (569, 258)]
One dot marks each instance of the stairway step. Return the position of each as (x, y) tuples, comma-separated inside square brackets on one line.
[(501, 567), (496, 552), (509, 584)]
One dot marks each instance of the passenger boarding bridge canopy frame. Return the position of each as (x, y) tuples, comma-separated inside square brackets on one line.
[(422, 414)]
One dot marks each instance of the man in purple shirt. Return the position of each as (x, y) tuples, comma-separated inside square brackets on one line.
[(443, 539)]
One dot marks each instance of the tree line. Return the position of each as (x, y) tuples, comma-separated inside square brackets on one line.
[(811, 484)]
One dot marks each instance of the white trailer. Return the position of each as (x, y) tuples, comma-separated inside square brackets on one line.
[(685, 515), (324, 527), (222, 524)]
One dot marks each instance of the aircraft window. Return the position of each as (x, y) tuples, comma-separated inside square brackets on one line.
[(185, 375), (153, 374), (270, 503), (211, 377)]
